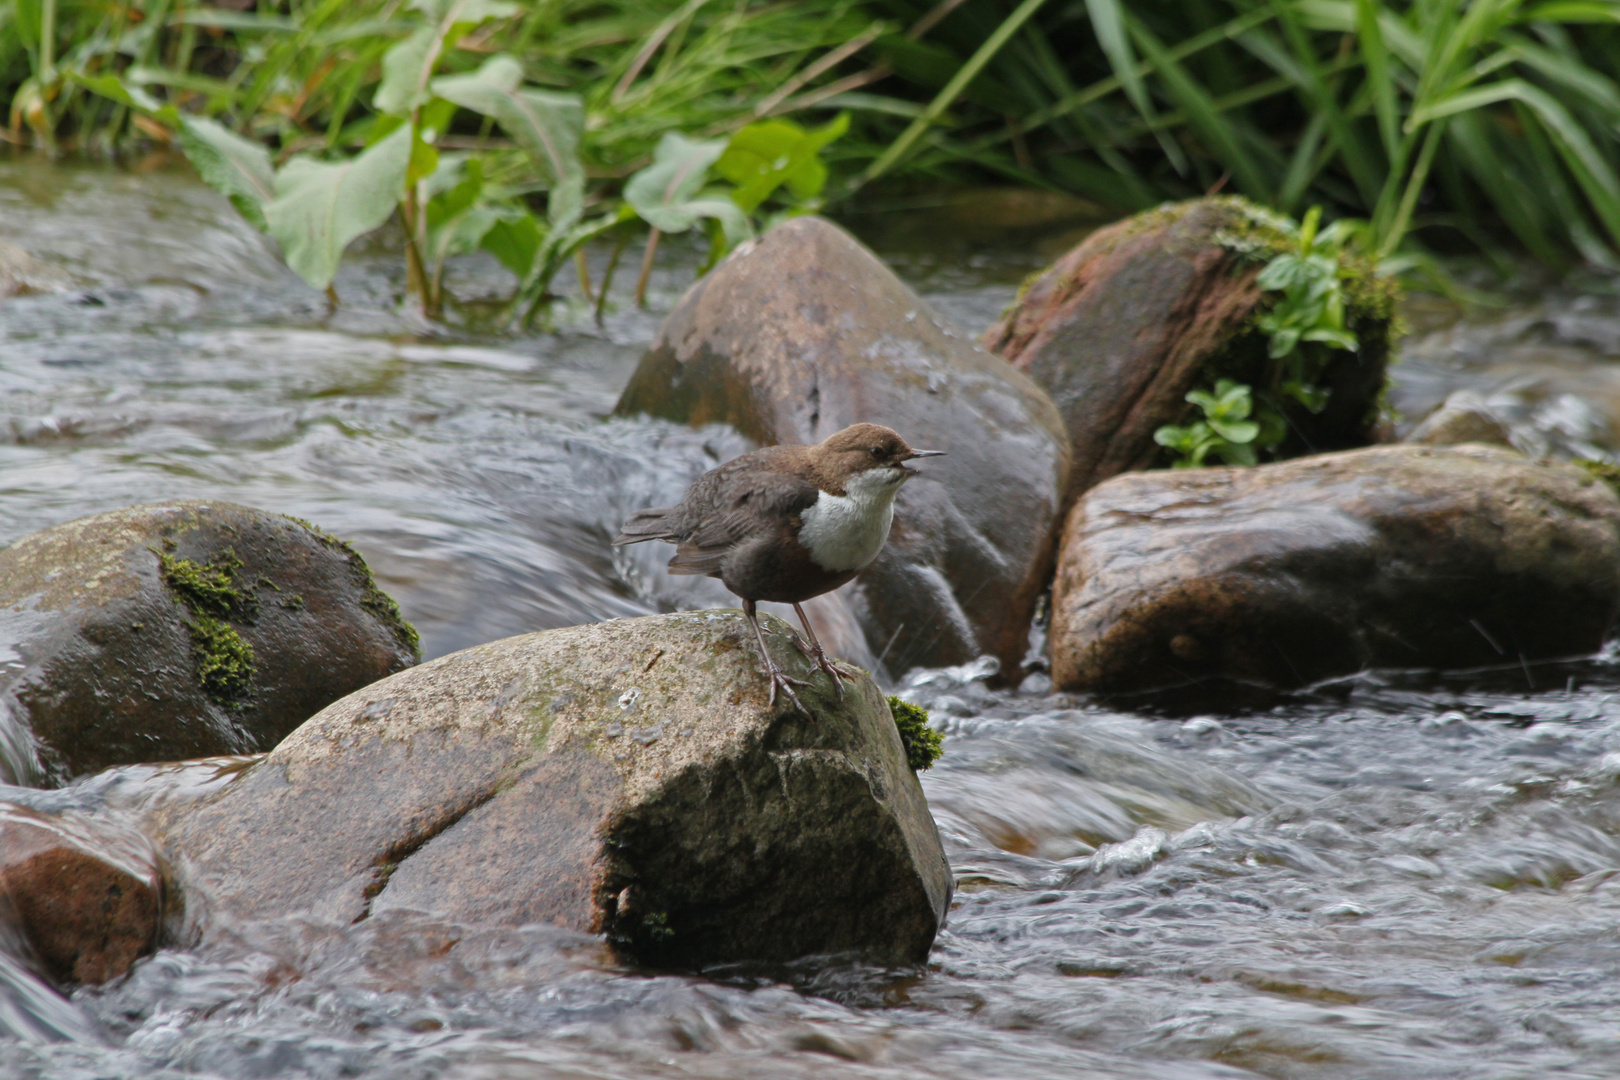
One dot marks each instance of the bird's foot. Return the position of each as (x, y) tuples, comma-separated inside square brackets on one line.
[(813, 651), (780, 678)]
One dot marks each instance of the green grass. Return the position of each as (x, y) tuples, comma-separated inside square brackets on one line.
[(1491, 125)]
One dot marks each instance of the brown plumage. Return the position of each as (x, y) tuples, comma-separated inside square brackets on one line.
[(786, 523)]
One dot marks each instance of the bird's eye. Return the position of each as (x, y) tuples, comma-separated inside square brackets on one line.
[(877, 451)]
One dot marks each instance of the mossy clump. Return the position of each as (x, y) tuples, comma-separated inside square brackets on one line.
[(373, 599), (1606, 471), (923, 744), (209, 591), (209, 588), (224, 659)]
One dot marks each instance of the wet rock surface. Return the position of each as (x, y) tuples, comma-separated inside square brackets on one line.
[(178, 630), (1122, 327), (1286, 574), (625, 778), (21, 274), (1464, 417), (83, 894), (804, 332)]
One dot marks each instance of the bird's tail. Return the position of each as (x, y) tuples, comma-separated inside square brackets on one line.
[(650, 524)]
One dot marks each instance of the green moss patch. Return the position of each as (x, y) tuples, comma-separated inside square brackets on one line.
[(224, 659), (209, 588), (373, 599), (923, 744)]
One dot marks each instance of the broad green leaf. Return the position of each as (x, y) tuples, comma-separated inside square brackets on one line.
[(547, 125), (408, 67), (513, 240), (237, 168), (321, 206), (666, 194), (766, 155), (1237, 431)]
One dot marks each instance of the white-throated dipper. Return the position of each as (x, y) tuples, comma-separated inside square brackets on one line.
[(786, 523)]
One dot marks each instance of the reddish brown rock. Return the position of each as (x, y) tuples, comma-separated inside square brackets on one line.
[(1122, 327), (1286, 574), (625, 778), (803, 332), (86, 896), (180, 630)]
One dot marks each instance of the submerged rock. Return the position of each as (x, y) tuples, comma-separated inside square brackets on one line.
[(1149, 308), (625, 778), (84, 895), (805, 331), (21, 274), (1464, 417), (1285, 574), (179, 630)]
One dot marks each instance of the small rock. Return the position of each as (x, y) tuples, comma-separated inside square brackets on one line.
[(85, 895), (803, 332), (1464, 417), (179, 630), (1286, 574), (508, 786), (1122, 327), (21, 274)]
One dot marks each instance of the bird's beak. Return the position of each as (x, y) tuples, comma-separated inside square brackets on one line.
[(927, 453)]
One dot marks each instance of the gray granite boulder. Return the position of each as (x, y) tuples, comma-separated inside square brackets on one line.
[(1287, 574), (625, 778), (179, 630), (803, 332)]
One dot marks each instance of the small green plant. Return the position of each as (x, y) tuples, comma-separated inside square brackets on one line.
[(1302, 326), (1310, 310), (923, 744), (1225, 430)]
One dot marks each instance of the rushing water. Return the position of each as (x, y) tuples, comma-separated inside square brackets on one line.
[(1393, 876)]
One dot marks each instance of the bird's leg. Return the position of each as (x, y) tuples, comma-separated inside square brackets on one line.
[(818, 655), (777, 676)]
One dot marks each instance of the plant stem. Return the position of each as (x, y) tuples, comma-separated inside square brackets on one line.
[(952, 90), (607, 277), (583, 269), (646, 268), (1414, 185)]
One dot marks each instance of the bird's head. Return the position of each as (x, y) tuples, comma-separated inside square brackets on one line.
[(867, 454)]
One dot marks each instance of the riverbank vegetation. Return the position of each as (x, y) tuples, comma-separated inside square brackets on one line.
[(1489, 125)]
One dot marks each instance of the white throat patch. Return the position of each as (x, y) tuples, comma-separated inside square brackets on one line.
[(846, 532)]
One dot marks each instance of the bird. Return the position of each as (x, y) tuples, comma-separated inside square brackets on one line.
[(786, 523)]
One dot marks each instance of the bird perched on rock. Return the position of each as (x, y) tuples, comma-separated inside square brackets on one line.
[(787, 523)]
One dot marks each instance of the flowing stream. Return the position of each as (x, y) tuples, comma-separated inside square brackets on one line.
[(1392, 876)]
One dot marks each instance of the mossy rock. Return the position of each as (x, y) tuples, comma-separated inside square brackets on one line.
[(179, 630), (627, 778), (1122, 327)]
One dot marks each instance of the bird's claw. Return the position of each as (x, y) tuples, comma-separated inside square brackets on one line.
[(780, 678), (813, 651)]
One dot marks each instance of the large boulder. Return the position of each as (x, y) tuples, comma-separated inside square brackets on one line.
[(1286, 574), (179, 630), (626, 778), (82, 893), (805, 331), (1143, 311)]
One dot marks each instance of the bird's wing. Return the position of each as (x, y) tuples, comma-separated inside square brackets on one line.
[(740, 507)]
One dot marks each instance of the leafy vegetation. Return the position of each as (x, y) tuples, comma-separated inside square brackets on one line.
[(1485, 123), (923, 744), (1301, 326)]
